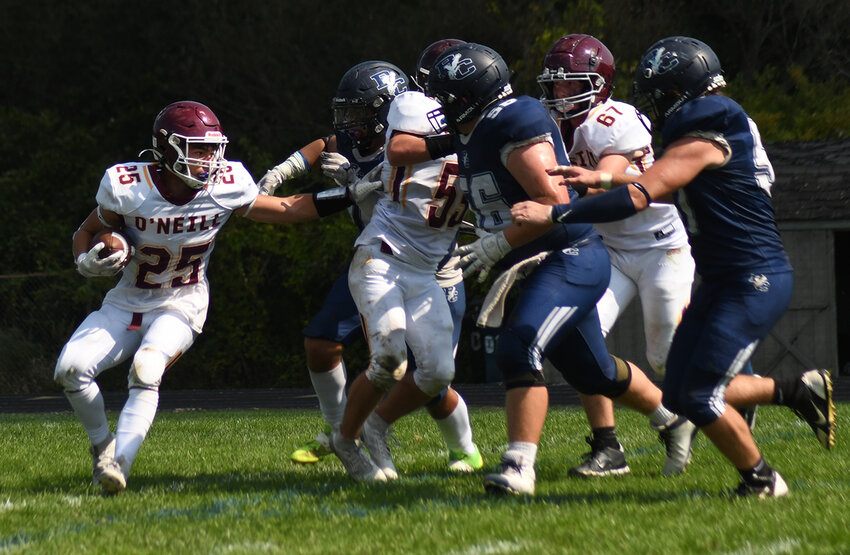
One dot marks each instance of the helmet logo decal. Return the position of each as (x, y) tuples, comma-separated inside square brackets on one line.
[(659, 61), (389, 81), (457, 68)]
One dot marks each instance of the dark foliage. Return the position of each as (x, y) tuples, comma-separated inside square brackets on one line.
[(83, 81)]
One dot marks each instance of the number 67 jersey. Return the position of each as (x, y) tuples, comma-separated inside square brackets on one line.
[(173, 242)]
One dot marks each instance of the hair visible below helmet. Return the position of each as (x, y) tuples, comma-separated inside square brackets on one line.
[(673, 71), (427, 59), (177, 128), (363, 98), (582, 59), (466, 79)]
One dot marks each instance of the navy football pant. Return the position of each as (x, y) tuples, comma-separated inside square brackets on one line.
[(719, 332), (555, 317)]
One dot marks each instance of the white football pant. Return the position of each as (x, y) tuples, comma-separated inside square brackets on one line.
[(102, 341), (663, 279), (402, 306)]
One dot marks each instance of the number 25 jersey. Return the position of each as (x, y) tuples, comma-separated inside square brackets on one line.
[(173, 242)]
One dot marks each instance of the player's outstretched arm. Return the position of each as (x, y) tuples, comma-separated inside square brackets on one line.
[(281, 210), (306, 207), (297, 163)]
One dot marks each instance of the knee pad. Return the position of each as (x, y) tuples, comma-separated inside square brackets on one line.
[(147, 368), (622, 379), (434, 382), (529, 378), (69, 374), (386, 371)]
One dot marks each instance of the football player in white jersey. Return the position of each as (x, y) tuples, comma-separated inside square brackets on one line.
[(650, 254), (360, 109), (413, 228), (171, 211)]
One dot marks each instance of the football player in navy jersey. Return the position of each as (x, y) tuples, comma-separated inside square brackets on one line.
[(360, 107), (355, 148), (504, 145), (713, 153)]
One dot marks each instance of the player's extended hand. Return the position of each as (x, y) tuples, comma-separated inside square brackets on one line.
[(89, 264), (270, 182), (576, 176), (296, 164), (365, 186), (337, 167), (480, 256), (530, 212)]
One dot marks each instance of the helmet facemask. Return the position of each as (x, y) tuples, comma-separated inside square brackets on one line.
[(361, 122), (178, 158), (568, 106)]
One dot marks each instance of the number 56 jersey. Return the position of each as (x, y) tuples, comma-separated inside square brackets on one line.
[(173, 242)]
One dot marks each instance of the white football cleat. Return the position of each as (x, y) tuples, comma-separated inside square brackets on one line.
[(355, 460), (516, 477), (771, 486), (101, 458), (376, 442), (677, 439), (112, 478), (819, 412)]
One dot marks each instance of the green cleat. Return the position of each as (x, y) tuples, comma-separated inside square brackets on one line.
[(314, 450), (465, 462)]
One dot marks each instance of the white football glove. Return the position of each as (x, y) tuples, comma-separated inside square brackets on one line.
[(365, 186), (337, 167), (270, 182), (480, 256), (292, 166), (90, 265)]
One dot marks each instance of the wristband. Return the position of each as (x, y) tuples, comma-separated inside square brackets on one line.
[(643, 190), (439, 145), (605, 181), (331, 201)]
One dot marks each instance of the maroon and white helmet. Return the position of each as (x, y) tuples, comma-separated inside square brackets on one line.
[(181, 125), (582, 59), (427, 59)]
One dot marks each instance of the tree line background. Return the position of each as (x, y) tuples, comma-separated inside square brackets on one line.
[(81, 83)]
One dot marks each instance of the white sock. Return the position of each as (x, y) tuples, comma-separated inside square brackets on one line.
[(88, 406), (661, 417), (330, 389), (528, 451), (456, 430), (133, 424)]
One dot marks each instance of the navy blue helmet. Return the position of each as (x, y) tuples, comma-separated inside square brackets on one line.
[(673, 71), (363, 98), (466, 79)]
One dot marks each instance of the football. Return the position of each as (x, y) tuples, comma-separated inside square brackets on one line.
[(113, 241)]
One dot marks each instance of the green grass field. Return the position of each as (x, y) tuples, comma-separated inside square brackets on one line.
[(221, 482)]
